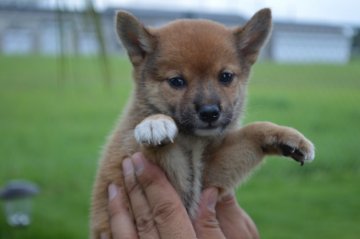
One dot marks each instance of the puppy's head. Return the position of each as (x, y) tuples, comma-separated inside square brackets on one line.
[(195, 71)]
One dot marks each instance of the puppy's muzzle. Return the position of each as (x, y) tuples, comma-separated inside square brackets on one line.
[(209, 113)]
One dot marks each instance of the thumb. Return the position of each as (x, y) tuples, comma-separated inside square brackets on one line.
[(206, 225)]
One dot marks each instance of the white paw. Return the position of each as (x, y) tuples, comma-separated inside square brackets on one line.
[(156, 131)]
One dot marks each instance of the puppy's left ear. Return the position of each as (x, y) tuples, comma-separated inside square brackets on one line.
[(251, 37)]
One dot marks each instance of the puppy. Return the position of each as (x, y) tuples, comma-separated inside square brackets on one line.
[(190, 86)]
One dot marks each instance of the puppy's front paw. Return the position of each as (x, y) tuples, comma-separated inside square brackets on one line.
[(293, 144), (301, 154), (290, 143), (156, 130)]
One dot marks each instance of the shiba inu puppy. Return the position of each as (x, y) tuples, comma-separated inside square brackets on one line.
[(190, 86)]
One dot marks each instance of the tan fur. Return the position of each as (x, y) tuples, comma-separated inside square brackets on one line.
[(164, 123)]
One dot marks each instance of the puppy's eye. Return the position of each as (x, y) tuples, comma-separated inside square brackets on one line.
[(226, 77), (177, 82)]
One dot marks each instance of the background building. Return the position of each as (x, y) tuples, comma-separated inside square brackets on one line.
[(34, 30)]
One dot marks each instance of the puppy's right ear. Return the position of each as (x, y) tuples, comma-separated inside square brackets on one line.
[(254, 34), (137, 40)]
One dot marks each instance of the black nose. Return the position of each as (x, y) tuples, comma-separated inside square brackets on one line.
[(209, 113)]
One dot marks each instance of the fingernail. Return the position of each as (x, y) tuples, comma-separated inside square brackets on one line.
[(138, 163), (112, 191), (128, 167), (212, 199)]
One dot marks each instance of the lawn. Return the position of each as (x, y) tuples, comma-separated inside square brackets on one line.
[(52, 130)]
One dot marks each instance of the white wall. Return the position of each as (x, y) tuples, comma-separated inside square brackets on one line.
[(17, 41), (308, 47)]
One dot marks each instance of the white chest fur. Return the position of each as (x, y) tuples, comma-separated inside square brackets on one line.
[(184, 167)]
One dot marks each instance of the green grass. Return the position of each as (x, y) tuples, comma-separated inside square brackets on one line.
[(51, 132)]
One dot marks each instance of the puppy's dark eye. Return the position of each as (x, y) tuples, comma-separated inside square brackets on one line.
[(226, 77), (177, 82)]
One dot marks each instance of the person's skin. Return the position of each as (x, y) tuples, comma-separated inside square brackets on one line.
[(159, 213)]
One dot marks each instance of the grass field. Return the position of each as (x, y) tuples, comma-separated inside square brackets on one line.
[(51, 132)]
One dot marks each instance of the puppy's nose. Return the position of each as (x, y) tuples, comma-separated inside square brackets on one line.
[(209, 113)]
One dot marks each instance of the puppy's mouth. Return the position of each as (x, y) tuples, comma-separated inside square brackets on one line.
[(192, 123), (208, 126), (200, 128), (209, 130)]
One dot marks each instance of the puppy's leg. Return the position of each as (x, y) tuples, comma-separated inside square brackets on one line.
[(244, 149), (109, 172), (99, 214), (120, 146), (157, 134)]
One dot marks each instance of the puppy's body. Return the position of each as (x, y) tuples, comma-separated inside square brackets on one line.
[(190, 83)]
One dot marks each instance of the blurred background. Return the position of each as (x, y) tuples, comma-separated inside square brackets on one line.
[(64, 80)]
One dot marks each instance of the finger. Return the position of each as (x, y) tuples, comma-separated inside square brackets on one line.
[(234, 222), (250, 225), (139, 204), (121, 223), (206, 224), (169, 214)]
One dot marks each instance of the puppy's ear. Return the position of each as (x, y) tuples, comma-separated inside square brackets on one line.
[(253, 35), (137, 40)]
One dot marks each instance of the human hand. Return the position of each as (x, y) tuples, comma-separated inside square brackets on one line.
[(156, 207), (158, 211), (223, 219)]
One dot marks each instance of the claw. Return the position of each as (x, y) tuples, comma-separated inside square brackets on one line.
[(299, 156), (292, 152), (287, 150), (298, 153)]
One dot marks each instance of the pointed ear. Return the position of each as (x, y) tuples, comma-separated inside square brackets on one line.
[(251, 37), (137, 40)]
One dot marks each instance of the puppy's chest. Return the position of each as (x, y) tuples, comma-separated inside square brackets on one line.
[(184, 167)]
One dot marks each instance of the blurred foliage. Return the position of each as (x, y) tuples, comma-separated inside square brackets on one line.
[(103, 55), (92, 19)]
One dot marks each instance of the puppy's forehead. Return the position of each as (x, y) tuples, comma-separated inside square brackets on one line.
[(199, 43)]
